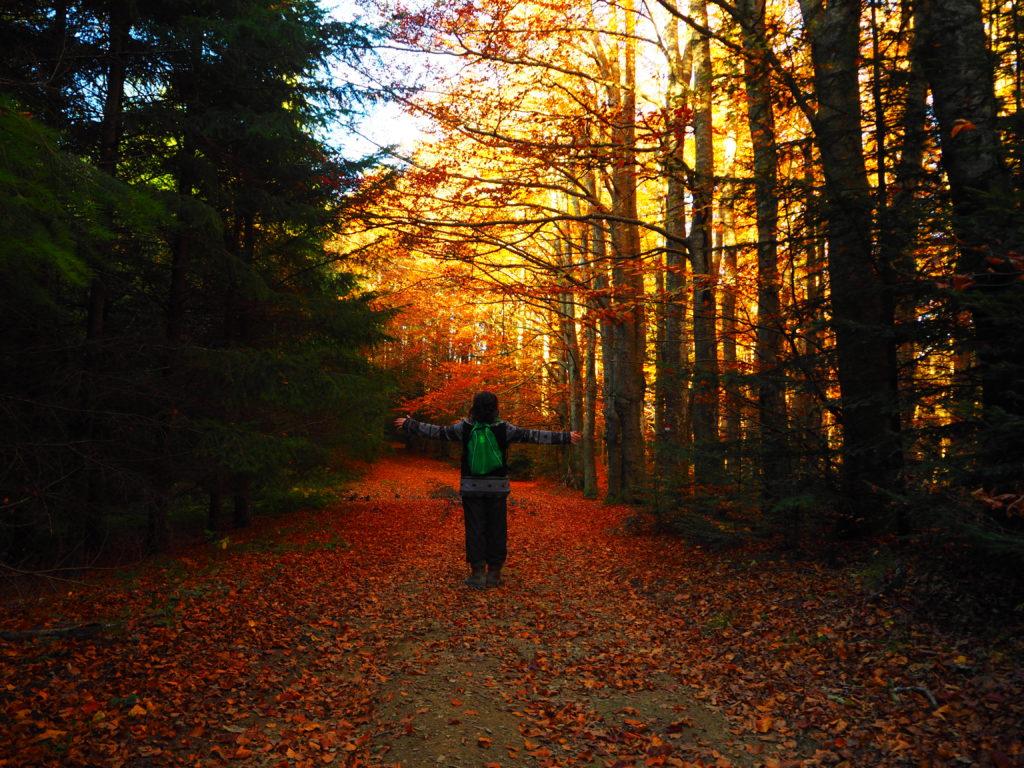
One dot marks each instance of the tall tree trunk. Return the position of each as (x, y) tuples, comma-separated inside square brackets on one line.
[(625, 411), (774, 451), (570, 349), (182, 244), (118, 30), (900, 211), (985, 217), (610, 364), (732, 400), (861, 310), (242, 482), (809, 400), (707, 450), (59, 81), (671, 382), (242, 494), (119, 27), (594, 251), (587, 443)]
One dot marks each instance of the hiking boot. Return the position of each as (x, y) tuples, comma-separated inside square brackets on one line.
[(494, 576), (477, 579)]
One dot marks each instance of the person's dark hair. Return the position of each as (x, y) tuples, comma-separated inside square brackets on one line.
[(484, 408)]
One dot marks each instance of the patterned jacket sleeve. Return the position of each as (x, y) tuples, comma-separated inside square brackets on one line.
[(450, 432), (541, 436)]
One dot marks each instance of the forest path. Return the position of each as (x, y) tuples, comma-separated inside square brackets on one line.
[(346, 637)]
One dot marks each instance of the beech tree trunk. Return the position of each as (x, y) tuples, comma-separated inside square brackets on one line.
[(861, 312), (732, 399), (900, 209), (959, 68), (773, 447), (626, 346), (594, 249), (570, 351), (671, 382), (707, 450), (808, 407)]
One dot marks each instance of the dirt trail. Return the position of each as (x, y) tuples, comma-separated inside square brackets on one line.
[(346, 637), (557, 666)]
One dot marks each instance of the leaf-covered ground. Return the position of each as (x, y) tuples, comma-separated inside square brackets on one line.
[(345, 637)]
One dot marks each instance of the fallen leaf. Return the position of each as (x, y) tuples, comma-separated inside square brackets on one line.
[(961, 125)]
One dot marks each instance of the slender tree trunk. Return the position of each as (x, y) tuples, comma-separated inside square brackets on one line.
[(242, 501), (215, 509), (657, 321), (732, 400), (118, 30), (595, 252), (774, 451), (119, 27), (707, 450), (57, 113), (611, 362), (809, 400), (570, 351), (899, 206), (671, 382), (182, 245), (861, 310), (242, 482), (588, 443)]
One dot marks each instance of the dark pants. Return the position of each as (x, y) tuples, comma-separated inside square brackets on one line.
[(486, 519)]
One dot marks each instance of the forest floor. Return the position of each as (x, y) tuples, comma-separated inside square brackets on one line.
[(346, 637)]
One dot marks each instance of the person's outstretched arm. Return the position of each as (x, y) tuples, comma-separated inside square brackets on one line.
[(451, 432), (541, 436)]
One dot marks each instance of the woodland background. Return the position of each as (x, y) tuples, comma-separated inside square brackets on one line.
[(766, 256)]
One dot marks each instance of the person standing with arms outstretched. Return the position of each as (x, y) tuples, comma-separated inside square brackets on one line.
[(484, 486)]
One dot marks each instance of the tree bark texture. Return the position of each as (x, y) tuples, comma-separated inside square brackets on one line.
[(672, 382), (773, 445), (861, 313), (628, 324), (707, 451), (959, 68)]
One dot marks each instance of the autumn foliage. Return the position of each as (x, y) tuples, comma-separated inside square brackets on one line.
[(764, 256), (766, 248)]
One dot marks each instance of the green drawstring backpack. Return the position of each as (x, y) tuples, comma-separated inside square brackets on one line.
[(483, 451)]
